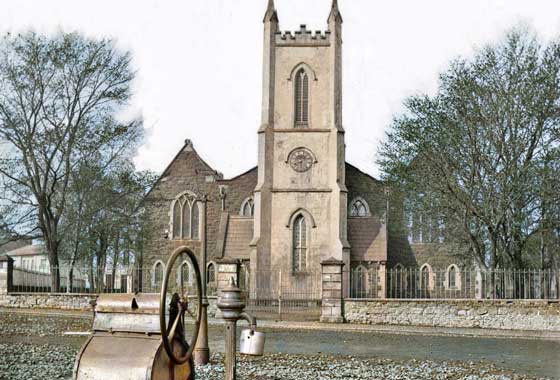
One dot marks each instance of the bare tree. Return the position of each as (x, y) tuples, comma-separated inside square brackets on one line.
[(58, 101)]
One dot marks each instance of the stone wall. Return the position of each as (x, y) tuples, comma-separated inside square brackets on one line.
[(79, 302), (518, 315), (47, 301)]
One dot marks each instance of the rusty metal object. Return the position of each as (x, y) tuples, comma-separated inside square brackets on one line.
[(128, 340), (181, 300)]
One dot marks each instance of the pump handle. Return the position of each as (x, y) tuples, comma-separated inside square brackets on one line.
[(182, 303)]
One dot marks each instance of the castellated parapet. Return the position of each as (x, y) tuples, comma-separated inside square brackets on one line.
[(303, 37)]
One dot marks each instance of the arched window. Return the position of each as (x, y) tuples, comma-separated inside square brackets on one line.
[(359, 208), (195, 221), (299, 244), (157, 274), (452, 277), (302, 99), (248, 208), (210, 273), (399, 281), (184, 275), (186, 218), (177, 219), (424, 277)]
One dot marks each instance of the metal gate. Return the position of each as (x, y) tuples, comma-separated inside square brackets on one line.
[(283, 296)]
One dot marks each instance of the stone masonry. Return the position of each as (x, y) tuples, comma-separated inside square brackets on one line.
[(332, 289), (517, 315)]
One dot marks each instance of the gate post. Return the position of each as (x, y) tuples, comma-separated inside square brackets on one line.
[(382, 280), (226, 269), (6, 274), (331, 302), (478, 286)]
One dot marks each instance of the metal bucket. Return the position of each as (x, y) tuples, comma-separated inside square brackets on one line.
[(251, 342)]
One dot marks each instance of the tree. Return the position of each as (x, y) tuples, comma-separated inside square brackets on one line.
[(104, 221), (483, 153), (58, 101)]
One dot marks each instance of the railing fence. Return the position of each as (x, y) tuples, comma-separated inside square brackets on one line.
[(278, 292), (455, 283)]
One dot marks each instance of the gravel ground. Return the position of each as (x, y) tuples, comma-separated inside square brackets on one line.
[(26, 361), (35, 347), (323, 367)]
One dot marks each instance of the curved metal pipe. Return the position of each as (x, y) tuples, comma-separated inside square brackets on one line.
[(250, 319)]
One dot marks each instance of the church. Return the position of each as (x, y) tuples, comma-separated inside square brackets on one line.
[(302, 204)]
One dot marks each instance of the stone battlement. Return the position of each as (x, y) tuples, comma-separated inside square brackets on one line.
[(304, 37)]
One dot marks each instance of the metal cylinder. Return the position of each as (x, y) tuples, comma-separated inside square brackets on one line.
[(251, 342)]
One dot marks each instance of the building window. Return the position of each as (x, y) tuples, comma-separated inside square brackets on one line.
[(359, 208), (184, 275), (299, 244), (426, 278), (185, 221), (157, 274), (452, 278), (210, 273), (302, 99), (195, 221), (186, 218), (248, 208), (177, 219)]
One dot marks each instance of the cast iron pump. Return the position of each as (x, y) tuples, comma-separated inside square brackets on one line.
[(231, 305)]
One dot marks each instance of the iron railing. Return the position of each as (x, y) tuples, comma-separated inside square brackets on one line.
[(454, 283), (281, 292), (95, 281)]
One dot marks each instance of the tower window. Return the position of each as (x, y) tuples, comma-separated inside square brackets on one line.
[(299, 244), (302, 99)]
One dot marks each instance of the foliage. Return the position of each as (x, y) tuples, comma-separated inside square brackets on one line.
[(59, 98), (483, 154)]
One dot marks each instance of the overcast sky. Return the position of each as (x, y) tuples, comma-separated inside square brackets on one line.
[(199, 62)]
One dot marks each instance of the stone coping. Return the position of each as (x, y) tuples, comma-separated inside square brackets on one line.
[(75, 294), (458, 300), (54, 294)]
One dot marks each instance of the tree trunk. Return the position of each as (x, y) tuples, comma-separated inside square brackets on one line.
[(52, 254), (69, 286)]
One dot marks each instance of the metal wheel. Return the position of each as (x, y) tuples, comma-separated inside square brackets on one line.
[(181, 303)]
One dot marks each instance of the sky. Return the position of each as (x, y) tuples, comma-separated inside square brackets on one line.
[(199, 63)]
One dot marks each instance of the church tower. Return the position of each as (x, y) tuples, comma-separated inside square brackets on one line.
[(300, 197)]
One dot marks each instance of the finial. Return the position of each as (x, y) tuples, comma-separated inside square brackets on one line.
[(335, 12), (188, 145), (270, 14)]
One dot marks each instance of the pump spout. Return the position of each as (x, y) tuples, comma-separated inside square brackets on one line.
[(250, 319)]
